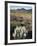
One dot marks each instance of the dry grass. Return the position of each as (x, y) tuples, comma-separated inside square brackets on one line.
[(26, 19)]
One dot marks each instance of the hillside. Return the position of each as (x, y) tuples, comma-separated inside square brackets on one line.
[(21, 16)]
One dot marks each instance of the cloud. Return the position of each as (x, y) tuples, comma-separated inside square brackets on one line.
[(19, 7)]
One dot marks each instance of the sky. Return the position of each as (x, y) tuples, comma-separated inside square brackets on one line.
[(19, 7)]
